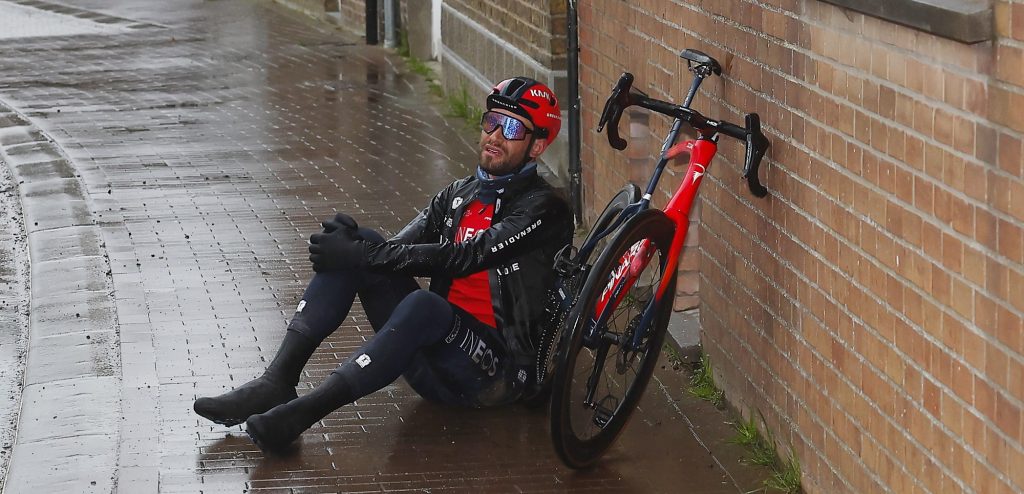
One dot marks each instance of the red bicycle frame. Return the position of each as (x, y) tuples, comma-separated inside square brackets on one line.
[(635, 260), (701, 150)]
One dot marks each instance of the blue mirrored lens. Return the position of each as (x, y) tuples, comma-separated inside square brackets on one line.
[(512, 128)]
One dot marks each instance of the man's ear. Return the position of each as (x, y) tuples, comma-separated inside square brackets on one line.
[(538, 147)]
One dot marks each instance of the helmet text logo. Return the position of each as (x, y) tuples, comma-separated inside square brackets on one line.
[(540, 94)]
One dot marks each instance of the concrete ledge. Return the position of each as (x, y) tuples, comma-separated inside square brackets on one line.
[(684, 334), (69, 275), (966, 21)]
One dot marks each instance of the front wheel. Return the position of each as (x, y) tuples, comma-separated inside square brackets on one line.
[(565, 293), (617, 328)]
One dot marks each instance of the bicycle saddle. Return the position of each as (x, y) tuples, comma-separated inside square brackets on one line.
[(701, 58)]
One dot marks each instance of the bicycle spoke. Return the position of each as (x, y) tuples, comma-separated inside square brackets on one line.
[(594, 409), (595, 374)]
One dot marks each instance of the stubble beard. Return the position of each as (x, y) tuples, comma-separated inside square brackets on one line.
[(497, 167)]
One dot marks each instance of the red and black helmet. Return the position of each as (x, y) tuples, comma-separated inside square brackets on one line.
[(531, 100)]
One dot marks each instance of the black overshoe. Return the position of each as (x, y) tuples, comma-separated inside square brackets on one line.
[(274, 387), (256, 396), (274, 430)]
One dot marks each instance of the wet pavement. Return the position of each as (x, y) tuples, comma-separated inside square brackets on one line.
[(172, 159)]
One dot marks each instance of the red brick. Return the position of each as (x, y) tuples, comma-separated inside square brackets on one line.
[(1010, 240), (1003, 105), (1010, 156)]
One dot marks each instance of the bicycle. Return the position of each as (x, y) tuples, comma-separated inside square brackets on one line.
[(609, 317)]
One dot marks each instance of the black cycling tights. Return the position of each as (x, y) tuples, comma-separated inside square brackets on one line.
[(446, 354)]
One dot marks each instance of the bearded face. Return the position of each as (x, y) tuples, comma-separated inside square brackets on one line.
[(501, 156)]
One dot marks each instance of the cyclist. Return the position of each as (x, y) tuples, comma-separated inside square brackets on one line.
[(487, 242)]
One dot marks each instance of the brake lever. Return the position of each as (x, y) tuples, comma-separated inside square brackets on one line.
[(613, 107), (609, 109), (757, 145)]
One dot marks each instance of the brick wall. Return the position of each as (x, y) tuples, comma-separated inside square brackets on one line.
[(485, 42), (871, 307)]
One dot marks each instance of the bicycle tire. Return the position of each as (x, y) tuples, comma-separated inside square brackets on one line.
[(582, 432), (550, 335), (628, 194)]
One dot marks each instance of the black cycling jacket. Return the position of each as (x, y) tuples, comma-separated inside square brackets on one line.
[(530, 224)]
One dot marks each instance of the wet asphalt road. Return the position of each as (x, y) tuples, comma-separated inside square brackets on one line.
[(172, 162)]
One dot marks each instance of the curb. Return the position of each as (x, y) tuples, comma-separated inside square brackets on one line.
[(684, 335), (71, 402)]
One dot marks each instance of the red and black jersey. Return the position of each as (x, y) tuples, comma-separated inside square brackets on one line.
[(472, 293)]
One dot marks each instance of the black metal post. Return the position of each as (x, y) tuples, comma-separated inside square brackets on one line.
[(371, 22), (573, 73)]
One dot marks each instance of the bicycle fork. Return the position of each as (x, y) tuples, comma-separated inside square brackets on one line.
[(622, 280)]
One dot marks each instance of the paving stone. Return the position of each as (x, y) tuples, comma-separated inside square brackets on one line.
[(72, 355), (72, 312), (62, 409), (68, 242), (57, 465)]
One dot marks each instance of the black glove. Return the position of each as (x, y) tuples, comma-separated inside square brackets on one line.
[(338, 247), (341, 220)]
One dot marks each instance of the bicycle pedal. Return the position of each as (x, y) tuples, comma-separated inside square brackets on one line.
[(602, 413), (565, 264)]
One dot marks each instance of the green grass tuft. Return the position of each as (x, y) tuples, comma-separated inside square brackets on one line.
[(747, 433), (674, 359), (460, 105), (786, 478), (435, 89), (403, 44), (702, 384), (761, 451), (418, 67)]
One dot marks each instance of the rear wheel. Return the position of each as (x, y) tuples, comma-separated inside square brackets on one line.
[(614, 336), (629, 194)]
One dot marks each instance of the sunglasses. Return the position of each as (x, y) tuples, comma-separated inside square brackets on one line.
[(512, 128)]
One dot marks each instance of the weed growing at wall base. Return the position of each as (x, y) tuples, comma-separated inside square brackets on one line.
[(702, 384), (785, 476), (674, 359), (460, 105), (760, 452), (418, 66)]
